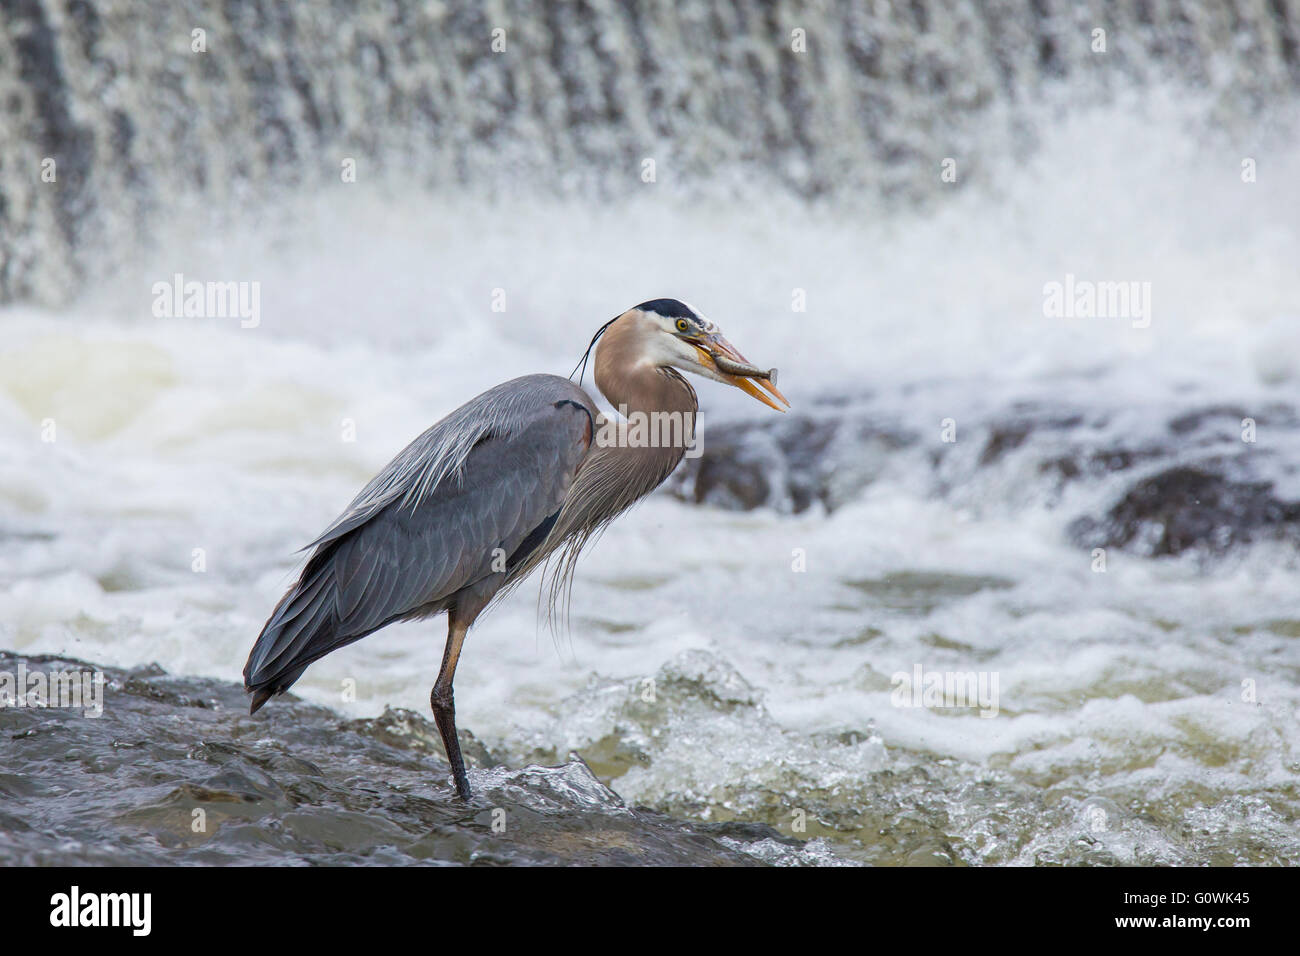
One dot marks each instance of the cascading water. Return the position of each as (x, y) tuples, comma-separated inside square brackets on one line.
[(144, 106)]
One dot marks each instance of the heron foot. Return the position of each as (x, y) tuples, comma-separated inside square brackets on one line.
[(444, 715)]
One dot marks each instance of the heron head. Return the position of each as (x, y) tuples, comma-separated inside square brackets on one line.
[(677, 335)]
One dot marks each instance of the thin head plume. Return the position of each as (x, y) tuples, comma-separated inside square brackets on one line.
[(583, 364)]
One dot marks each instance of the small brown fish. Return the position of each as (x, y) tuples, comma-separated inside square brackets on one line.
[(745, 371)]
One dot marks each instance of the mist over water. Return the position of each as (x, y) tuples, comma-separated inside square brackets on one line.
[(184, 440)]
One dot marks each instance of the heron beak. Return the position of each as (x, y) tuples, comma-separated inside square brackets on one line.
[(717, 345)]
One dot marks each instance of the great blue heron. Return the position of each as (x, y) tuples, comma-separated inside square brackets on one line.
[(527, 471)]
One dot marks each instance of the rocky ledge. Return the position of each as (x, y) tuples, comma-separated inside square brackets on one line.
[(1159, 480), (175, 771)]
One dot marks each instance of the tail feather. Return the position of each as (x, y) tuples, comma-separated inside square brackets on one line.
[(260, 697), (276, 685), (302, 628), (292, 632)]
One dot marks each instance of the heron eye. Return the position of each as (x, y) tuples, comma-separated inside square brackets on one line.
[(681, 325)]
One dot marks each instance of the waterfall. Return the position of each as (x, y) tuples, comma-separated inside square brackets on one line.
[(115, 113)]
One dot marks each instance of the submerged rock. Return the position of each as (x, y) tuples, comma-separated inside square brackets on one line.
[(790, 463), (1157, 481), (1186, 507), (175, 771)]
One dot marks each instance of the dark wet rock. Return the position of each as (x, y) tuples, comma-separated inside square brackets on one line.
[(1190, 508), (1003, 439), (1226, 420), (1198, 418), (1082, 463), (1010, 432), (830, 455), (790, 463), (175, 771), (1189, 478)]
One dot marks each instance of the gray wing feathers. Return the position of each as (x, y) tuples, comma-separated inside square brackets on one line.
[(440, 452), (507, 462)]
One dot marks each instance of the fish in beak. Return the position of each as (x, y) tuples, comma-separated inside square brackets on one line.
[(721, 357)]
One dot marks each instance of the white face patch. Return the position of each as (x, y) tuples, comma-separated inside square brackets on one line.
[(668, 349), (665, 348)]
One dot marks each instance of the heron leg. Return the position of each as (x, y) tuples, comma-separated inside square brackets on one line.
[(444, 705)]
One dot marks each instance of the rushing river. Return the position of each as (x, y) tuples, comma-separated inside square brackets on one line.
[(747, 682)]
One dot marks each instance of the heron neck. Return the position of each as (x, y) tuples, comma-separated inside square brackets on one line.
[(645, 388)]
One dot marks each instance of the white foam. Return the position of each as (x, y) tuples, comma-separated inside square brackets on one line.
[(184, 434)]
